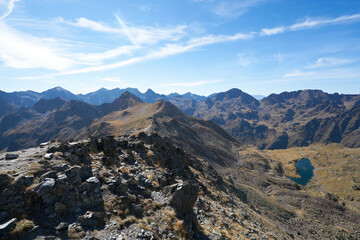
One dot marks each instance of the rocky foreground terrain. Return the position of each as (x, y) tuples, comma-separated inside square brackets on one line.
[(144, 187)]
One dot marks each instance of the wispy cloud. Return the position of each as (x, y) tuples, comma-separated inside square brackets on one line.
[(272, 31), (162, 52), (310, 23), (330, 62), (9, 5), (138, 35), (91, 25), (22, 51), (98, 58), (234, 9), (111, 79), (298, 73)]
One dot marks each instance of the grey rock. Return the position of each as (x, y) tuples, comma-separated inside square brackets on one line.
[(50, 174), (46, 185), (42, 145), (48, 156), (93, 180), (62, 226), (11, 156), (182, 196), (61, 168), (61, 177)]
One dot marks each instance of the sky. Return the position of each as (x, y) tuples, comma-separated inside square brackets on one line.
[(201, 46)]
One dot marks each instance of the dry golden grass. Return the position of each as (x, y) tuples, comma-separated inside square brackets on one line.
[(21, 229)]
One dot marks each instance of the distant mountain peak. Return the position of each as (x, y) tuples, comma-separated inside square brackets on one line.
[(44, 105), (150, 91)]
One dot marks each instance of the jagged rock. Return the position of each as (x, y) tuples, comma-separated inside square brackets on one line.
[(11, 156), (5, 227), (73, 159), (73, 175), (47, 191), (182, 196), (109, 146), (45, 186)]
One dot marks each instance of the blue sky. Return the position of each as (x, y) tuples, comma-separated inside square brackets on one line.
[(202, 46)]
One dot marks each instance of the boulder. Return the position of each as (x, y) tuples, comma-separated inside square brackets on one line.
[(11, 156), (46, 185), (109, 145), (182, 196)]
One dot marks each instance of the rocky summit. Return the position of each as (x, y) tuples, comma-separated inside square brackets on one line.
[(144, 187)]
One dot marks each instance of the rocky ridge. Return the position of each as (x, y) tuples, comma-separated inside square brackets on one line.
[(144, 187)]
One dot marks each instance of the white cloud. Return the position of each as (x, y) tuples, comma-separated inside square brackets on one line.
[(330, 62), (23, 51), (298, 74), (272, 31), (310, 23), (94, 26), (9, 6), (167, 50)]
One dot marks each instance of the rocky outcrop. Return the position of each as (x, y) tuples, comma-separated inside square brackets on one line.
[(182, 196)]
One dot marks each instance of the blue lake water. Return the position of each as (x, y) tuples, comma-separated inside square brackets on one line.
[(305, 170)]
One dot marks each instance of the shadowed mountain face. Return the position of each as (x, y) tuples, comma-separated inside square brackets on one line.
[(282, 120)]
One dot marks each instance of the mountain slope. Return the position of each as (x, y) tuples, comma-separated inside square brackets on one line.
[(198, 137)]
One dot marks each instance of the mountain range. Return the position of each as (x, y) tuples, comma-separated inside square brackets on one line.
[(182, 168), (103, 95), (278, 121)]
